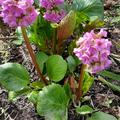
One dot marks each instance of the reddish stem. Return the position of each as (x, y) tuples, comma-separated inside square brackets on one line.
[(80, 84), (32, 55), (72, 84)]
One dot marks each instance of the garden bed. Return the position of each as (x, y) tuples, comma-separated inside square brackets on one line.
[(100, 96)]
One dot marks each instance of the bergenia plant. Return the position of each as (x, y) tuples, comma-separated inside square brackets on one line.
[(69, 39)]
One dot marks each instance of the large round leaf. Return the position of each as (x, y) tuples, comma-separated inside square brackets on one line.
[(41, 59), (56, 67), (52, 103), (83, 110), (13, 76), (89, 7)]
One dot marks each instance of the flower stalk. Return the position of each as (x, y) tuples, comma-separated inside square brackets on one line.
[(54, 40), (32, 55), (79, 91)]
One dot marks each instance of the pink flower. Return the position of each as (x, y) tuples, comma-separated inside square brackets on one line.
[(93, 50), (18, 12), (102, 33), (52, 13), (1, 1), (54, 16), (49, 4)]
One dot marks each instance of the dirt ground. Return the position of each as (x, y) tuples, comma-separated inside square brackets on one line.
[(102, 97)]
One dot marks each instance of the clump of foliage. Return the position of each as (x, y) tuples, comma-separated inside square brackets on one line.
[(49, 24)]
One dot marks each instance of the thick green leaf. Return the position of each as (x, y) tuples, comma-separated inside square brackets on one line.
[(56, 68), (13, 95), (41, 59), (19, 40), (95, 22), (101, 116), (37, 3), (110, 85), (71, 47), (37, 85), (32, 97), (71, 64), (110, 75), (52, 103), (85, 109), (68, 90), (87, 83), (89, 7), (13, 76), (40, 31), (77, 60), (82, 17)]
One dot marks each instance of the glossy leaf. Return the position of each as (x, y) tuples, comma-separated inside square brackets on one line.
[(101, 116), (41, 59), (37, 85), (71, 64), (83, 110), (77, 60), (32, 97), (13, 76), (110, 85), (87, 83), (82, 17), (89, 7), (95, 22), (53, 102), (110, 75), (19, 39), (68, 90), (12, 95), (56, 68), (40, 31)]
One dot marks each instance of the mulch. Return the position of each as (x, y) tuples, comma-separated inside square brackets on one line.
[(101, 97)]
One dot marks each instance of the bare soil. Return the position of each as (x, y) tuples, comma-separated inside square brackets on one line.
[(101, 97)]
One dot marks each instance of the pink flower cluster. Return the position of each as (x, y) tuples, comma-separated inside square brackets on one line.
[(1, 1), (52, 13), (93, 50), (49, 4), (18, 12), (54, 16)]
